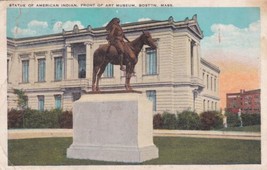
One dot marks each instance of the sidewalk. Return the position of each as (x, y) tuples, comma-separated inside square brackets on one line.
[(38, 133), (45, 133), (209, 134)]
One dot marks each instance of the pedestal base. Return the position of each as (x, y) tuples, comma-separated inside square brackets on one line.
[(113, 127), (116, 154)]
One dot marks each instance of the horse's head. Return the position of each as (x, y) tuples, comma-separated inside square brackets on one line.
[(148, 40)]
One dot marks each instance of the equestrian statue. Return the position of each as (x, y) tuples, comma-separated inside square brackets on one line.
[(118, 52)]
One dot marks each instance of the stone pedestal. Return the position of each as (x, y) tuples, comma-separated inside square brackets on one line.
[(113, 127)]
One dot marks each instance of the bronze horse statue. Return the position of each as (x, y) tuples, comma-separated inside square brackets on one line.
[(108, 54)]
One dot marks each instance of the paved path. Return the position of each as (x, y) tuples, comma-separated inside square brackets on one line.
[(38, 133), (44, 133), (209, 134)]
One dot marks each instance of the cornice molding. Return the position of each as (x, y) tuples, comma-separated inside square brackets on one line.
[(96, 32), (210, 65), (211, 96)]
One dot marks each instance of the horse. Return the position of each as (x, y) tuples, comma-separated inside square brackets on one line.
[(108, 54)]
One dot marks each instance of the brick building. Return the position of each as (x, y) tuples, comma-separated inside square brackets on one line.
[(247, 101)]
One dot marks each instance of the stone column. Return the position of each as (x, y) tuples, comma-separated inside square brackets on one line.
[(69, 62), (35, 61), (51, 70), (217, 85), (32, 71), (195, 60), (49, 67), (188, 61), (89, 59), (14, 62), (198, 60), (204, 79)]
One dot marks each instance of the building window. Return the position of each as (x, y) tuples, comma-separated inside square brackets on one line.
[(58, 101), (82, 66), (41, 103), (207, 81), (151, 61), (41, 70), (208, 105), (151, 95), (215, 105), (58, 68), (109, 71), (211, 81), (25, 71)]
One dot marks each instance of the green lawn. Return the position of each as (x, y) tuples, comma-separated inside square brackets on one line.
[(255, 128), (172, 150)]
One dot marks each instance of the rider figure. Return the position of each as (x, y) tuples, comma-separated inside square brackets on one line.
[(115, 37)]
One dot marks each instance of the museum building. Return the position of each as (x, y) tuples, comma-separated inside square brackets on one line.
[(55, 70)]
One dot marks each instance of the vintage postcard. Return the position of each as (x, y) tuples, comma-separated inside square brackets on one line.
[(133, 85)]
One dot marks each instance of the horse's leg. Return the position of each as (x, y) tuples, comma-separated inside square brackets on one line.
[(95, 71), (128, 77), (99, 74), (132, 69)]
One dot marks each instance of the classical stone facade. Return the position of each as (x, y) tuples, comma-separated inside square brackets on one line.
[(55, 70)]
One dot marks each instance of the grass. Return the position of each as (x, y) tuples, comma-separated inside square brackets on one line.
[(255, 128), (172, 150)]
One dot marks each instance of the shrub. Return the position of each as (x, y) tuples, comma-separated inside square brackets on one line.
[(29, 118), (232, 120), (157, 121), (38, 119), (251, 119), (211, 120), (169, 120), (65, 119), (188, 120), (15, 118)]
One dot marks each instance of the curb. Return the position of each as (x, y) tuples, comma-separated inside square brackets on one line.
[(45, 133)]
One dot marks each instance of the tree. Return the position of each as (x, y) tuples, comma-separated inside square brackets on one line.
[(22, 99)]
